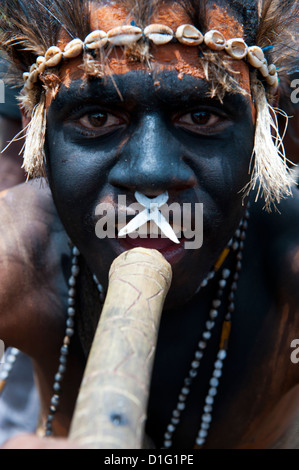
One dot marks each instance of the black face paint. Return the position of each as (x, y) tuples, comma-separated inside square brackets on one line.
[(170, 137)]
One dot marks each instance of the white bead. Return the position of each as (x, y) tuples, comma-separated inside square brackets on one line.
[(200, 441), (76, 252), (181, 406), (175, 421), (225, 273), (195, 364), (167, 444), (218, 364), (204, 283), (221, 354), (222, 283), (213, 314), (205, 425), (203, 433), (209, 400), (4, 375), (199, 355), (214, 382), (208, 408), (206, 335), (185, 390), (206, 418), (75, 270), (217, 373), (202, 344), (170, 428), (212, 392), (182, 397), (210, 325), (216, 303)]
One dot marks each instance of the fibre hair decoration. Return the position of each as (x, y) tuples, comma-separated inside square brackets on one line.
[(29, 28)]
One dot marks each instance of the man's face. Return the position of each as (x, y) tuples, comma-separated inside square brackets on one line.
[(149, 131)]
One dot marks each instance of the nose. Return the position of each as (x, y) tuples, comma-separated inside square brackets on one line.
[(151, 161)]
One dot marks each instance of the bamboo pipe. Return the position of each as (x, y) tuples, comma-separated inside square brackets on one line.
[(111, 407)]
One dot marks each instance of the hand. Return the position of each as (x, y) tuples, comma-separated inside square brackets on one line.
[(30, 441)]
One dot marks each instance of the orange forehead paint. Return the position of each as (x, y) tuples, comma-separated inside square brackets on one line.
[(175, 56)]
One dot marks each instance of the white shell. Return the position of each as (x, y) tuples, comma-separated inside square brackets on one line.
[(124, 35), (255, 56), (25, 76), (272, 80), (53, 56), (96, 39), (159, 34), (33, 76), (32, 68), (236, 48), (189, 35), (263, 69), (73, 49), (272, 69), (215, 40), (41, 64)]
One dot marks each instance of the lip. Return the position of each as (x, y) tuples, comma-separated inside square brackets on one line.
[(172, 252)]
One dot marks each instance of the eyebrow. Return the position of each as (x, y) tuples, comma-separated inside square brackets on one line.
[(173, 92)]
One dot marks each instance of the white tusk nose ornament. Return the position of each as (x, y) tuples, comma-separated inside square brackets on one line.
[(151, 212)]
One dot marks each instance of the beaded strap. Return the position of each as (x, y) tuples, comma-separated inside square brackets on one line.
[(159, 35)]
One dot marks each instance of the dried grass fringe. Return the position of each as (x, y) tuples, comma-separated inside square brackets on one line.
[(34, 153), (269, 168)]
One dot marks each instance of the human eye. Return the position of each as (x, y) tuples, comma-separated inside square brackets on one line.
[(202, 121), (97, 122)]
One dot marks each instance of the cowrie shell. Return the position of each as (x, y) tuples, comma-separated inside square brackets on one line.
[(159, 34), (263, 69), (255, 56), (32, 68), (215, 40), (272, 80), (25, 76), (73, 49), (124, 35), (236, 48), (33, 75), (272, 69), (96, 39), (189, 35), (41, 64), (53, 56)]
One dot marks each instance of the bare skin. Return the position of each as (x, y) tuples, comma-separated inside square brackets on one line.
[(112, 145), (254, 397)]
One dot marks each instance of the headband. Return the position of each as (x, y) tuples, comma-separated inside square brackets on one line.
[(159, 35)]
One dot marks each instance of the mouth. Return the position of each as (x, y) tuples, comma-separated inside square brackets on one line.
[(171, 251)]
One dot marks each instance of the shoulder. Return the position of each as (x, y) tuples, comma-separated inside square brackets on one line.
[(277, 237)]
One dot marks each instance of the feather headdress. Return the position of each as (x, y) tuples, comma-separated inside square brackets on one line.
[(29, 27)]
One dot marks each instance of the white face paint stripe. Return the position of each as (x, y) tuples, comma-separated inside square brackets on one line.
[(151, 212)]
